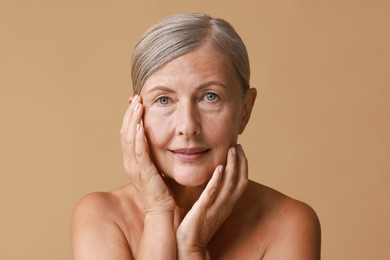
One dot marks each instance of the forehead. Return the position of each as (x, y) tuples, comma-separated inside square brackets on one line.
[(196, 67)]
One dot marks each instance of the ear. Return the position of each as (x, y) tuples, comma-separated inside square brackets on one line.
[(249, 101)]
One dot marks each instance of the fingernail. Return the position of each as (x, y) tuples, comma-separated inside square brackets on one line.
[(234, 151), (135, 98), (220, 168), (138, 127), (136, 107)]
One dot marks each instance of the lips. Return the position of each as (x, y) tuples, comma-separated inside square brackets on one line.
[(190, 154)]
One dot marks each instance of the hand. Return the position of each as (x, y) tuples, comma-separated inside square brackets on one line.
[(213, 206), (137, 162)]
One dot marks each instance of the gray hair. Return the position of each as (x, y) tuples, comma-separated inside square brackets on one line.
[(179, 34)]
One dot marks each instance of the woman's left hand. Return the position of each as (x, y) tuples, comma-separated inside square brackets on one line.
[(213, 206)]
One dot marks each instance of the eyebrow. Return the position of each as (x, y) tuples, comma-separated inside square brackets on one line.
[(213, 82), (203, 85), (159, 88)]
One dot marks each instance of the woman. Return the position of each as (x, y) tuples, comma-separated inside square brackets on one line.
[(189, 196)]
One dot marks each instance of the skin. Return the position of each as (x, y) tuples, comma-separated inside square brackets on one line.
[(189, 195), (193, 110)]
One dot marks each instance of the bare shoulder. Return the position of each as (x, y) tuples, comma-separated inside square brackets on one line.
[(266, 224), (294, 227), (94, 210), (96, 223)]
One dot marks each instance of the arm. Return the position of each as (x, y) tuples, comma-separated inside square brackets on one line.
[(158, 239)]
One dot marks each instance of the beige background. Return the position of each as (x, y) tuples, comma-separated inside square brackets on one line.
[(319, 132)]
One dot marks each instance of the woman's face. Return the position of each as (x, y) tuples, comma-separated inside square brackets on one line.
[(194, 112)]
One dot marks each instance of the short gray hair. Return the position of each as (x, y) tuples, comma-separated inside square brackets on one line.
[(179, 34)]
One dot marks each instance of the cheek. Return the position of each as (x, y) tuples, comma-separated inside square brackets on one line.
[(157, 127), (223, 127)]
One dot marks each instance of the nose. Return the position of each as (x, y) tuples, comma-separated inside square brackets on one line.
[(187, 120)]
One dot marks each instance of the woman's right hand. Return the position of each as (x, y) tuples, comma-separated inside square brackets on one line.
[(138, 165), (158, 203)]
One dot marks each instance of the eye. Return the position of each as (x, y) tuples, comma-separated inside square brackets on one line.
[(211, 96), (163, 100)]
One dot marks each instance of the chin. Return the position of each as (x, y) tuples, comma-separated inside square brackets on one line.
[(191, 177), (189, 183)]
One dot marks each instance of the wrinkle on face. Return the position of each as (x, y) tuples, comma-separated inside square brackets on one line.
[(184, 81)]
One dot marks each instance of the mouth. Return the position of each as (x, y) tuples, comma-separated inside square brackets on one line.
[(190, 154)]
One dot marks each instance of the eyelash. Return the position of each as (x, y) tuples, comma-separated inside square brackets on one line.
[(210, 93), (158, 100), (205, 95)]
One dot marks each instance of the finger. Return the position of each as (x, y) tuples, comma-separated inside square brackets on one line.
[(133, 121), (212, 188), (132, 116), (126, 117), (236, 184), (230, 176), (130, 121), (243, 180), (229, 192), (142, 153)]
